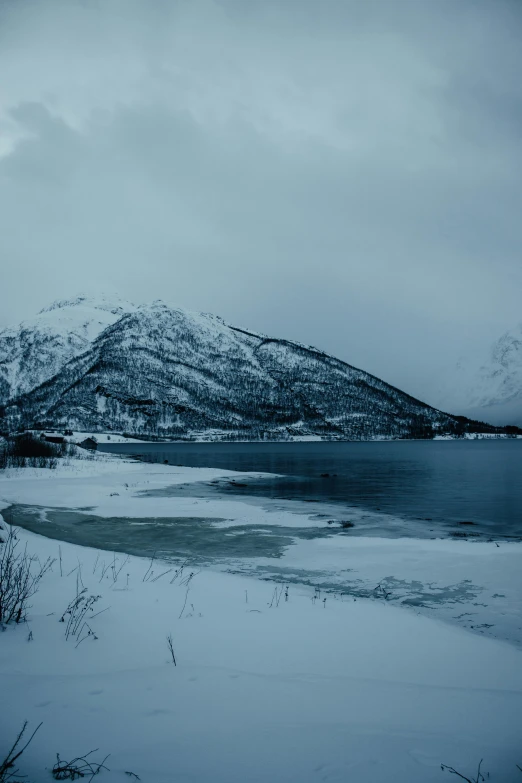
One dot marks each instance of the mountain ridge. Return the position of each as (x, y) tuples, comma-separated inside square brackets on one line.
[(163, 371)]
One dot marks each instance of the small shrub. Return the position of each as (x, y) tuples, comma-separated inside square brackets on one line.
[(77, 612), (19, 579), (24, 450)]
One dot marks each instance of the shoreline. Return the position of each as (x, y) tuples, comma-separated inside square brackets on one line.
[(273, 680), (117, 504), (104, 437)]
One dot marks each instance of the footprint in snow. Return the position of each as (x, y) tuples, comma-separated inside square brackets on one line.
[(330, 772), (425, 759)]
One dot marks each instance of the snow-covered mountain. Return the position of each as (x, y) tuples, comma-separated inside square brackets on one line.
[(36, 350), (488, 385), (162, 371)]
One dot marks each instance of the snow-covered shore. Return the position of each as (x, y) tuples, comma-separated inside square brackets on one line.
[(474, 584), (267, 686)]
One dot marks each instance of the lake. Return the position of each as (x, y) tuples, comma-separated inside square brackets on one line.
[(437, 487)]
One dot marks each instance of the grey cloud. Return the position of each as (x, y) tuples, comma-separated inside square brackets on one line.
[(332, 172)]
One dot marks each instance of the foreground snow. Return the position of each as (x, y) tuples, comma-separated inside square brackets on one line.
[(267, 687), (297, 691)]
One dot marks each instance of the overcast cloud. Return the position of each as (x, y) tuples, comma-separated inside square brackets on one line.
[(347, 174)]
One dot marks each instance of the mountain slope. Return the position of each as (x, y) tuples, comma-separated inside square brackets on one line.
[(164, 371), (39, 348)]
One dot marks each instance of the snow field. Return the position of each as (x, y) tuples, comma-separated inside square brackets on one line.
[(263, 690), (267, 687)]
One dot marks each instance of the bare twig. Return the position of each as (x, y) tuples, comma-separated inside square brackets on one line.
[(149, 569), (79, 767), (100, 612), (186, 582), (81, 638), (160, 575), (189, 578), (105, 568), (8, 771), (170, 645), (453, 771), (276, 596), (118, 571), (79, 574), (179, 572)]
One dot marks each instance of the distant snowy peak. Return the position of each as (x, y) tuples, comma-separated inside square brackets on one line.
[(498, 379), (83, 316), (497, 386), (488, 385), (507, 351), (111, 303), (194, 316)]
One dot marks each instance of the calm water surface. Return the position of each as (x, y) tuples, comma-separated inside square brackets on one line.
[(436, 484)]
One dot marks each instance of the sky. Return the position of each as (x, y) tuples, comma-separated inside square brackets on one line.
[(344, 173)]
